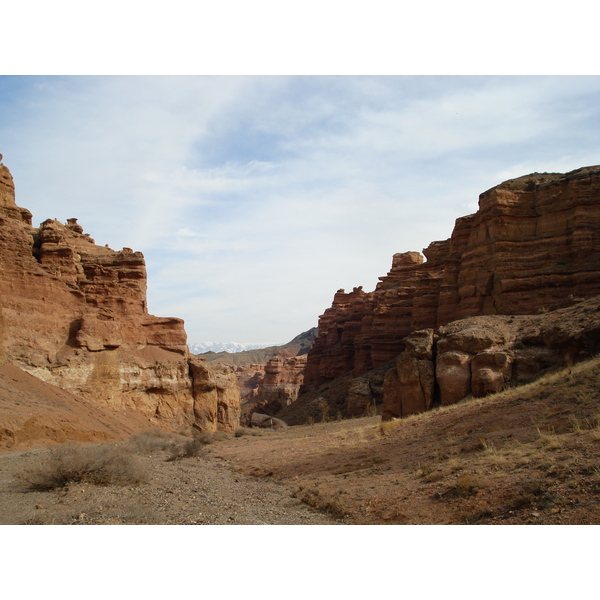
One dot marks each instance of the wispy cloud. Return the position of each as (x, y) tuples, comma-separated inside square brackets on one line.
[(255, 198)]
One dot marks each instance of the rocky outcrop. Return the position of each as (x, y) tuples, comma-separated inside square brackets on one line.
[(277, 385), (35, 413), (216, 396), (534, 244), (283, 377), (273, 384), (477, 356), (74, 314)]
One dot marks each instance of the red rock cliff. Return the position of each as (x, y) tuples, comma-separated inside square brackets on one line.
[(533, 243), (74, 314)]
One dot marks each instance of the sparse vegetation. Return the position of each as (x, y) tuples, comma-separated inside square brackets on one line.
[(187, 448), (154, 440), (96, 464), (177, 446)]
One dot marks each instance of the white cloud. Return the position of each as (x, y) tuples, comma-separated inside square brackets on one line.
[(254, 199)]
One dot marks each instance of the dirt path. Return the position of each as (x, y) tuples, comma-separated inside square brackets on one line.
[(192, 491)]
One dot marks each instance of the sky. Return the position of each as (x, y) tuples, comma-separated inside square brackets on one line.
[(254, 198), (268, 174)]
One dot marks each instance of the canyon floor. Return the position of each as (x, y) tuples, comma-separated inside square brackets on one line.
[(530, 455)]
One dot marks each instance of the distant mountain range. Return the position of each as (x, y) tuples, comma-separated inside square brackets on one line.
[(231, 347), (256, 354)]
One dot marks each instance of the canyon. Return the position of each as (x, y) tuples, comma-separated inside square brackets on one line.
[(73, 314), (532, 248), (269, 378), (512, 294)]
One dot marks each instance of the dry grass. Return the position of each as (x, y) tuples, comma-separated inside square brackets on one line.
[(155, 440), (177, 446), (96, 464)]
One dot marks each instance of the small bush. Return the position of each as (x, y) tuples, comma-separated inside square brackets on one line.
[(203, 437), (97, 464), (187, 448), (239, 432), (154, 440)]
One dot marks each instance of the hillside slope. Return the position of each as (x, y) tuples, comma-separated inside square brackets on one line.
[(34, 413), (530, 454)]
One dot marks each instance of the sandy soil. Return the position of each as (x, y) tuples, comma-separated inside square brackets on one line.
[(530, 455), (192, 491)]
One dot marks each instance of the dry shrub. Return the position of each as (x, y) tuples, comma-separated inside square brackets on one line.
[(155, 440), (241, 431), (178, 446), (533, 493), (549, 439), (96, 464), (188, 447)]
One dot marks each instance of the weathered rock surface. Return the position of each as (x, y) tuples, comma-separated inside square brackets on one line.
[(481, 355), (33, 413), (216, 396), (74, 314), (533, 245), (269, 386)]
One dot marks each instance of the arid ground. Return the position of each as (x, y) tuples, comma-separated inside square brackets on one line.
[(530, 455)]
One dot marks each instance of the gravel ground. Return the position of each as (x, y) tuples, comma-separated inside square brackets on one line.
[(191, 491)]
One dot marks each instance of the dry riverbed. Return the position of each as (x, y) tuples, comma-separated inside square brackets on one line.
[(197, 490)]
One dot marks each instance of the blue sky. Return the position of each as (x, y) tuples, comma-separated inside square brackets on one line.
[(254, 198)]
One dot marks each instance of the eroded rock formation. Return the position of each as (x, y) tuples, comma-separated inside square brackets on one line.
[(478, 356), (533, 245), (270, 387), (74, 314)]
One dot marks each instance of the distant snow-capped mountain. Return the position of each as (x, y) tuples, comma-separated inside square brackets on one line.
[(201, 347)]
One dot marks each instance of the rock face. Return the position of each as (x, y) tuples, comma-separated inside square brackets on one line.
[(268, 388), (534, 244), (283, 378), (478, 356), (274, 383), (74, 314)]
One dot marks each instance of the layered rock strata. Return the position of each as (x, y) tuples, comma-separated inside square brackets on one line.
[(477, 356), (270, 387), (533, 245), (74, 314)]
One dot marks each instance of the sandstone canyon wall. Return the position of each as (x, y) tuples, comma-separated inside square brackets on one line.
[(74, 314), (477, 356), (533, 244), (269, 378)]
